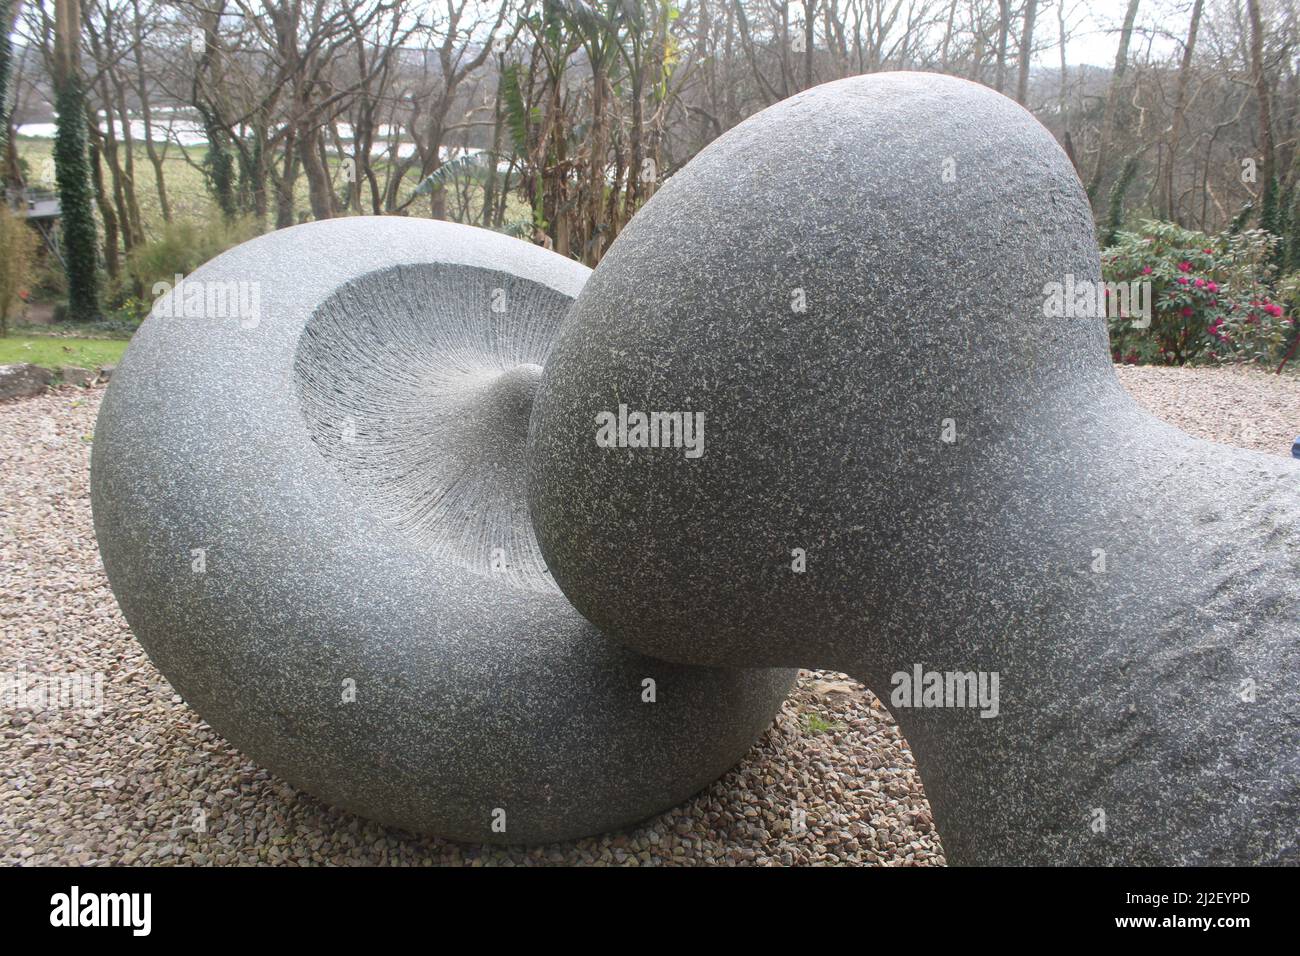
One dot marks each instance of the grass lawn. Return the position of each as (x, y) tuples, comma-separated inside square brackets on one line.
[(53, 352)]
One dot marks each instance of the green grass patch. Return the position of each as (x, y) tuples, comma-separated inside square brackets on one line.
[(53, 352), (817, 724)]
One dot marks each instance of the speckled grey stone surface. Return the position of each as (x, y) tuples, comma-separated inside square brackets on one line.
[(1134, 589), (311, 513)]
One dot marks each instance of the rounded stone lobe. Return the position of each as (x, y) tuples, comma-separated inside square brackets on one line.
[(910, 467), (297, 512), (828, 283)]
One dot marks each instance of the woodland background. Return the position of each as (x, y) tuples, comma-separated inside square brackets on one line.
[(182, 127)]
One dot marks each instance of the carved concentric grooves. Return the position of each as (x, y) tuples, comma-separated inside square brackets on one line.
[(416, 383)]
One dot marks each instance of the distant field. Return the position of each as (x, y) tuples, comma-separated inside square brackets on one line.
[(185, 189), (187, 192), (53, 352)]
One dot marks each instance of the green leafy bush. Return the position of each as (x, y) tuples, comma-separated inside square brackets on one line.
[(17, 250), (184, 245), (1210, 296), (48, 283)]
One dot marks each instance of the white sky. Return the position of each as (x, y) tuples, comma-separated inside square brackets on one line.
[(1096, 25)]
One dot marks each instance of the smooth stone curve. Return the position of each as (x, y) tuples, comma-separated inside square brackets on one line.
[(311, 514), (1134, 589)]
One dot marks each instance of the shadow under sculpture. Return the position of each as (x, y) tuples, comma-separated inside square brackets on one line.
[(908, 469), (308, 491)]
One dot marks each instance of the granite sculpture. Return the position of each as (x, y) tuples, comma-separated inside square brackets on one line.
[(1084, 620), (811, 409), (307, 483)]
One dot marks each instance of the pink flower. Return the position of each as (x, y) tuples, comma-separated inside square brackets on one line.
[(1208, 252), (1184, 266), (1212, 286), (1182, 280), (1274, 310), (1146, 270), (1187, 311), (1200, 283)]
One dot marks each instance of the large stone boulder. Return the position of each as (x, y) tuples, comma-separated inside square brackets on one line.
[(23, 380), (309, 499), (76, 375), (901, 467)]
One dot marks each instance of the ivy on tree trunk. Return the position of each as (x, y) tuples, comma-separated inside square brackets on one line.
[(72, 171), (10, 174), (219, 168), (1115, 213)]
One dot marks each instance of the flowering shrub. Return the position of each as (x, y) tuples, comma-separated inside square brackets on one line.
[(1210, 300), (1288, 295)]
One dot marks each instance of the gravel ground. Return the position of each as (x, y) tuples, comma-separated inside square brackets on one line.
[(1236, 406), (832, 781)]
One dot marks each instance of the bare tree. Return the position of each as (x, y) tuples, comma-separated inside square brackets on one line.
[(1170, 201), (1112, 98), (1026, 51)]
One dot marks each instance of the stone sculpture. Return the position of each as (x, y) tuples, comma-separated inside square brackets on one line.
[(910, 472), (811, 409), (308, 492)]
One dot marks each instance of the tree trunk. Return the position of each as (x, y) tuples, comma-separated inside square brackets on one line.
[(128, 166), (1026, 51), (1180, 111), (319, 192), (260, 163), (596, 174), (1112, 99), (438, 202), (112, 263), (1004, 29), (809, 12), (146, 113), (947, 37), (1268, 210), (10, 171), (72, 170), (498, 135), (284, 183), (638, 172), (106, 151)]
